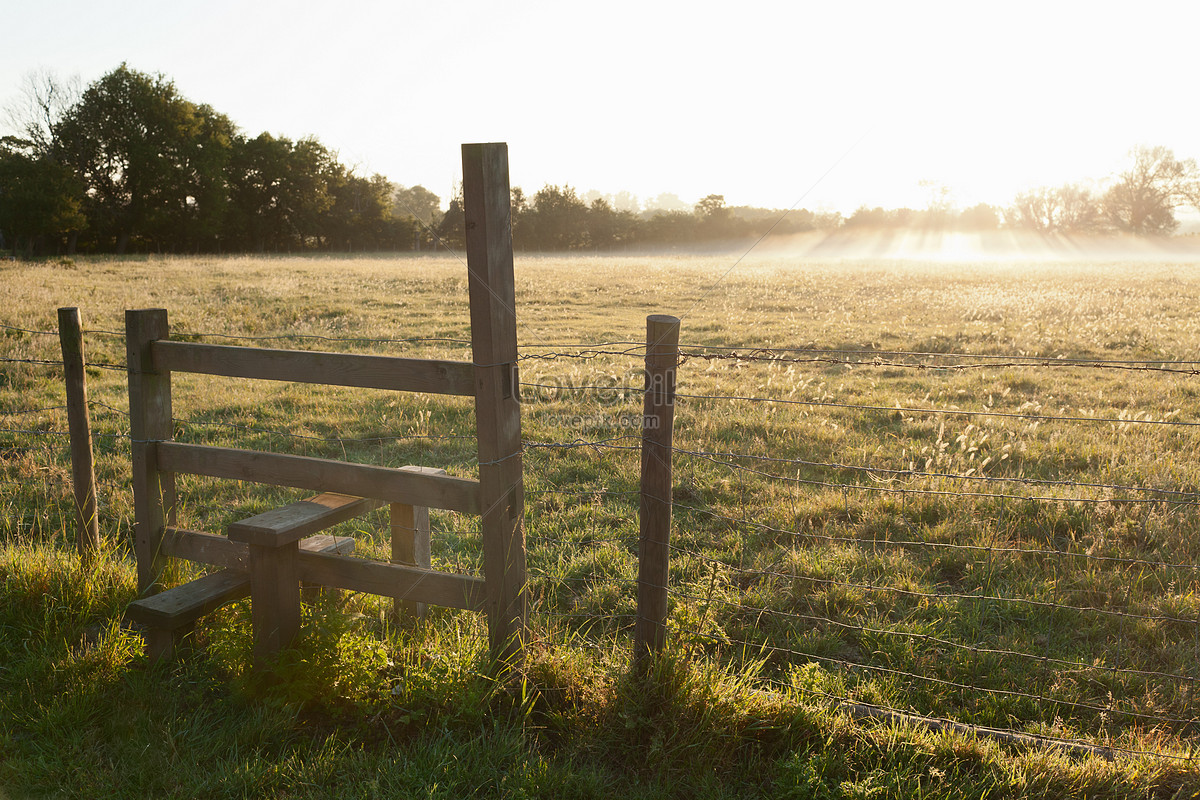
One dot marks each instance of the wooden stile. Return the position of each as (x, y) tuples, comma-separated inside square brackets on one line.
[(271, 547), (487, 208)]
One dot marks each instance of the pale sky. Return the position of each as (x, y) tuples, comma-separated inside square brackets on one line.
[(825, 105)]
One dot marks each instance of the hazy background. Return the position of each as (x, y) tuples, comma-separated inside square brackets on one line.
[(755, 100)]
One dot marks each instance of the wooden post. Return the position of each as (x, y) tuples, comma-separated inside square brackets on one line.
[(662, 357), (487, 208), (83, 471), (274, 599), (411, 543), (411, 546), (149, 423)]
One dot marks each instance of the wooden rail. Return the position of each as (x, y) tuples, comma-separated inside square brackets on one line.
[(322, 475), (310, 366), (397, 580)]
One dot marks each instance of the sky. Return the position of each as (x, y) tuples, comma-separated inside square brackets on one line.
[(827, 106)]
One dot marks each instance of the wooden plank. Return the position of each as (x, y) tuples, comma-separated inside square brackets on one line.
[(83, 471), (325, 543), (394, 580), (297, 520), (220, 551), (310, 366), (274, 599), (204, 548), (188, 602), (149, 422), (487, 208), (662, 357), (318, 474)]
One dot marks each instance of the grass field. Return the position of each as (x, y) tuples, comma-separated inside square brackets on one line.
[(1030, 565)]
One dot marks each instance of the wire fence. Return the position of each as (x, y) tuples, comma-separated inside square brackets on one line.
[(1015, 560)]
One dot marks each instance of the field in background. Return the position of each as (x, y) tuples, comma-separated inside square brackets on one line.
[(1029, 565)]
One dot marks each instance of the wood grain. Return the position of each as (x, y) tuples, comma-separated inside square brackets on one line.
[(323, 475), (311, 366)]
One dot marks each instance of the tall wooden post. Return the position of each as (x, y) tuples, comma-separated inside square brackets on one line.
[(487, 209), (83, 471), (662, 357), (149, 423)]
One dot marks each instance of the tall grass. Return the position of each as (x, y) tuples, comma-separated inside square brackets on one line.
[(793, 584)]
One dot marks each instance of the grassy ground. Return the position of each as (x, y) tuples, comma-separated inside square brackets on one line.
[(1065, 608)]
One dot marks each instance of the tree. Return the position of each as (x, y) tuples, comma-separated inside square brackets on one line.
[(607, 227), (152, 162), (43, 101), (418, 203), (360, 216), (557, 220), (39, 197), (864, 217), (282, 191), (1145, 196), (714, 219), (666, 201), (673, 228), (1067, 209), (980, 217), (418, 211), (452, 231)]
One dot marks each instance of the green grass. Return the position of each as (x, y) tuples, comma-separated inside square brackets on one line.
[(796, 586)]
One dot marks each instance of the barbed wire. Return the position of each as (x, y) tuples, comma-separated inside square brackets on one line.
[(850, 703), (1001, 361), (602, 492), (177, 335), (947, 411), (28, 330), (936, 545), (727, 351), (101, 404), (44, 362), (856, 665), (714, 456), (862, 487), (34, 361), (1076, 666), (991, 495), (27, 411)]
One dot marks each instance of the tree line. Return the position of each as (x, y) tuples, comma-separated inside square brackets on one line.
[(127, 164)]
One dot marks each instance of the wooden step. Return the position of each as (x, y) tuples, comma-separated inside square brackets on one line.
[(189, 601), (171, 614), (294, 521)]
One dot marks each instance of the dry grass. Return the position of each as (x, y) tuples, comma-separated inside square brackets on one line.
[(884, 585)]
